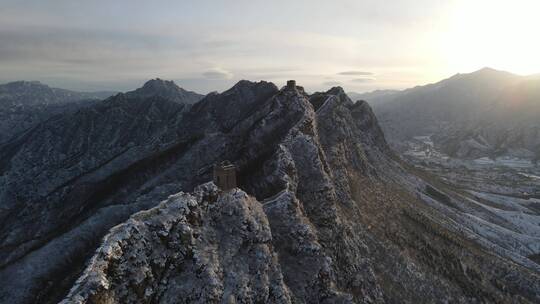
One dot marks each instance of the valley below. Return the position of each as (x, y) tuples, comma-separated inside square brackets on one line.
[(476, 135), (508, 189), (512, 176)]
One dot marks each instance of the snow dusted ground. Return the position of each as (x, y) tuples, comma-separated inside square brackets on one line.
[(531, 176), (513, 215), (513, 203), (423, 149), (507, 161), (504, 175), (509, 234), (498, 200)]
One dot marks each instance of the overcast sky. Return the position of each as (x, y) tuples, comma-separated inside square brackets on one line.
[(210, 45)]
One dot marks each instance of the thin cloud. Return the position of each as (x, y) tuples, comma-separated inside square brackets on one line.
[(218, 73), (355, 73), (332, 83), (362, 80)]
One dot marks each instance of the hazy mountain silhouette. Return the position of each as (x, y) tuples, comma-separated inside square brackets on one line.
[(484, 113)]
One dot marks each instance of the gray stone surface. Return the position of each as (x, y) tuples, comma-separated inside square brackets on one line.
[(207, 247)]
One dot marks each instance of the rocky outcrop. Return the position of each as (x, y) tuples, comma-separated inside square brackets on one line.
[(208, 247)]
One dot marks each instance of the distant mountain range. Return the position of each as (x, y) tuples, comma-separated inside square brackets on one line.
[(487, 113), (374, 96), (23, 104), (34, 93)]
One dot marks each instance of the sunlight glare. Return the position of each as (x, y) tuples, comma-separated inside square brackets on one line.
[(499, 34)]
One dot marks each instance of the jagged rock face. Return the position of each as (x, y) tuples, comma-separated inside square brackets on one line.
[(205, 248), (24, 104), (330, 216)]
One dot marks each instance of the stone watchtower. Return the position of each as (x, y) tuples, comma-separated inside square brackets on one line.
[(291, 85), (225, 175)]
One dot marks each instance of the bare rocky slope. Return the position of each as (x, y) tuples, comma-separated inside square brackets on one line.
[(324, 212)]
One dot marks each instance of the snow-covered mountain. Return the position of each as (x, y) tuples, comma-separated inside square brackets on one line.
[(112, 204)]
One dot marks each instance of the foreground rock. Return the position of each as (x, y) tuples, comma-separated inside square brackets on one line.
[(208, 247)]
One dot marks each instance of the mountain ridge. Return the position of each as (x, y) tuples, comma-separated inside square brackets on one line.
[(348, 221), (24, 104)]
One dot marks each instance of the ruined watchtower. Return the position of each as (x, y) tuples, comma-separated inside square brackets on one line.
[(291, 85), (225, 175)]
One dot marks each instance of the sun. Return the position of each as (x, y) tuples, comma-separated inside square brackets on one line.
[(500, 34)]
